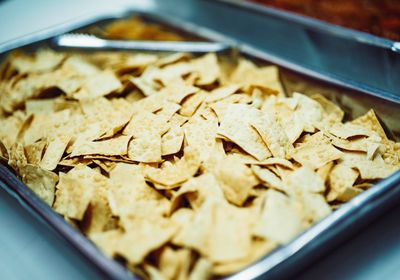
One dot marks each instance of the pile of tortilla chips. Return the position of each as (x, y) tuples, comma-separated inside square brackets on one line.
[(136, 28), (178, 166)]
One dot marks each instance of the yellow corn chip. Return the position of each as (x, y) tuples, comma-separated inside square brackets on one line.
[(235, 126), (41, 181)]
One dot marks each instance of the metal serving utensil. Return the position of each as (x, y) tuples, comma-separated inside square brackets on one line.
[(86, 41)]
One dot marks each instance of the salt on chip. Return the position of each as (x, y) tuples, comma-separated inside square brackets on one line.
[(304, 180), (373, 169), (177, 91)]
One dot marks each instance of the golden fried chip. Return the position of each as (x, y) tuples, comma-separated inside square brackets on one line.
[(73, 197), (146, 147), (209, 232), (152, 235), (173, 174), (281, 218), (235, 126), (98, 85), (54, 152), (332, 112), (273, 135), (112, 147), (171, 142), (174, 263), (107, 241), (247, 74), (41, 181), (197, 190), (348, 130), (268, 177), (341, 180), (316, 153), (371, 122)]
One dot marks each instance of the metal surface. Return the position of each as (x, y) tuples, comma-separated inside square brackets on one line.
[(287, 259), (86, 41), (345, 54)]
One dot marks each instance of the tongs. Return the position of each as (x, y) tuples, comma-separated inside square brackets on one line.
[(86, 41)]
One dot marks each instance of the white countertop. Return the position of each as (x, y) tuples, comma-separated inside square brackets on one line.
[(31, 250)]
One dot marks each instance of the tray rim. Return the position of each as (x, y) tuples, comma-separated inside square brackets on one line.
[(315, 24), (111, 268)]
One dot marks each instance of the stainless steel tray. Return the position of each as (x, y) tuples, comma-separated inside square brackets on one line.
[(285, 260), (342, 53)]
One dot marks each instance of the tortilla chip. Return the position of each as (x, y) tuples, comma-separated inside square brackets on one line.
[(73, 197), (281, 218), (236, 180), (115, 146), (273, 135), (171, 142), (98, 85), (268, 177), (235, 126), (54, 153), (145, 148), (208, 233), (197, 190), (152, 235), (332, 112), (41, 181), (174, 263), (174, 174), (316, 153), (247, 74), (107, 241)]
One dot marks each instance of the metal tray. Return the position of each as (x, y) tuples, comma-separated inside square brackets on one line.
[(285, 260), (343, 53)]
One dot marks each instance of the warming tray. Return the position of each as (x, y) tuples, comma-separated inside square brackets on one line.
[(287, 259)]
